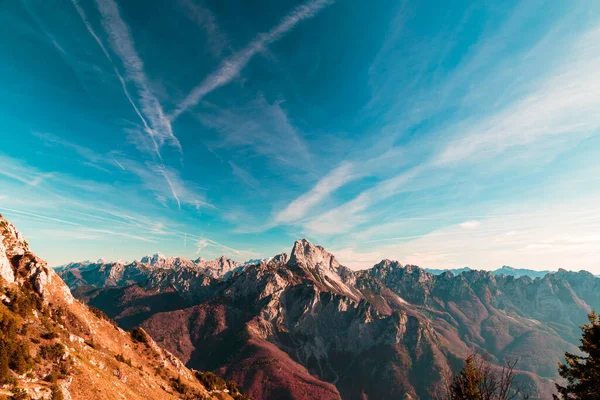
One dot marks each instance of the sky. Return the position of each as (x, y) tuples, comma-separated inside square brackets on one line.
[(442, 134)]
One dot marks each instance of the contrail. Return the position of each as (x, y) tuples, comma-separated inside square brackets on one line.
[(231, 66)]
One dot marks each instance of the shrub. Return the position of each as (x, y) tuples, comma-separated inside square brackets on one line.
[(9, 325), (61, 371), (139, 336), (19, 394), (210, 380), (102, 315), (178, 385), (5, 375), (14, 352), (123, 359), (235, 392), (22, 302), (52, 376), (20, 359), (63, 368), (49, 335), (52, 352), (56, 392)]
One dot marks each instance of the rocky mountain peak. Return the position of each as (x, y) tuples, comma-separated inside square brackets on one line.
[(310, 255), (18, 264), (220, 268), (387, 265), (282, 258), (12, 239), (257, 261), (160, 261), (154, 259)]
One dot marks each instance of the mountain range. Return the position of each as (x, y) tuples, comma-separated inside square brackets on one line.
[(225, 266), (297, 326), (303, 326), (505, 270)]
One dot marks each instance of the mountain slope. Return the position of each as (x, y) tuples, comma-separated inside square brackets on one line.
[(51, 345)]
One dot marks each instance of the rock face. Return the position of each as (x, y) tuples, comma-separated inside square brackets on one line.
[(52, 334), (18, 264), (6, 270), (320, 330), (221, 268)]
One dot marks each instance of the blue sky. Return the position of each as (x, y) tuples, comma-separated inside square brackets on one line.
[(443, 134)]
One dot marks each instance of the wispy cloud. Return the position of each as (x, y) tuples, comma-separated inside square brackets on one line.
[(562, 104), (122, 44), (298, 208), (244, 175), (263, 128), (86, 155), (158, 130), (88, 26), (348, 215), (42, 217), (165, 183), (15, 170), (470, 224), (203, 243), (105, 232), (82, 210), (203, 16), (233, 65)]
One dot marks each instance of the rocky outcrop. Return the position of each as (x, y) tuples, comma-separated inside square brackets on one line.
[(221, 268), (323, 268), (18, 264), (6, 269)]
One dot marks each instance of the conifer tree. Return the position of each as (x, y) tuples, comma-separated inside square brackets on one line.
[(466, 385), (583, 372)]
